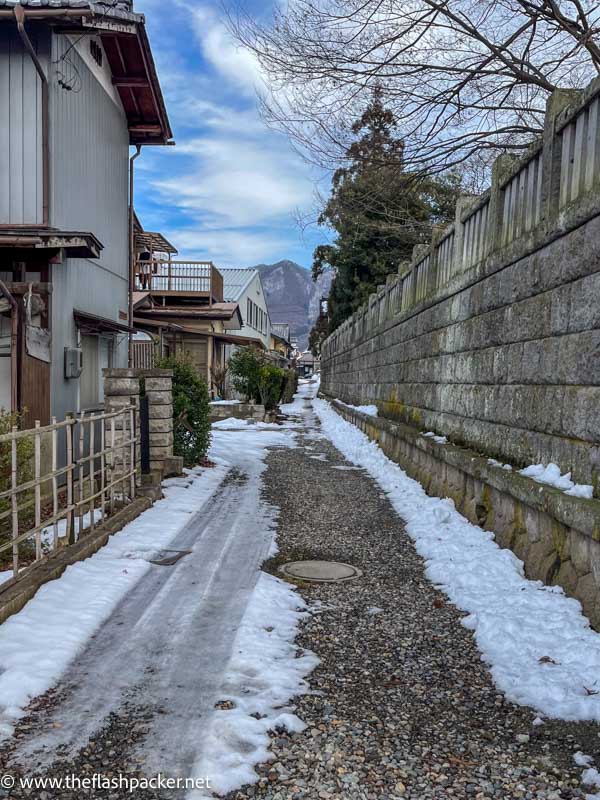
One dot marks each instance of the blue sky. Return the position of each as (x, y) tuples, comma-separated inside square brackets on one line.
[(228, 190)]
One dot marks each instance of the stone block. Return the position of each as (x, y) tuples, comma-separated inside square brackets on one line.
[(158, 425), (159, 398), (159, 384)]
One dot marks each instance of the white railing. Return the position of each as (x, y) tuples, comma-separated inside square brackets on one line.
[(179, 276), (44, 505)]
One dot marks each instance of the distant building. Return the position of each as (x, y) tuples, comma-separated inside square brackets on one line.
[(181, 308), (305, 365), (244, 287), (280, 346)]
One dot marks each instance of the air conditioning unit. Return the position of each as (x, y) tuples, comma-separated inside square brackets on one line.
[(73, 362)]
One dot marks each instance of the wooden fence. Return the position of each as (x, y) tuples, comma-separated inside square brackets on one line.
[(47, 505)]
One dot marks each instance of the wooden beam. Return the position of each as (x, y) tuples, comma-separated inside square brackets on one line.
[(128, 82), (145, 129)]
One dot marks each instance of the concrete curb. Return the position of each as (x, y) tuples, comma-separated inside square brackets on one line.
[(14, 597)]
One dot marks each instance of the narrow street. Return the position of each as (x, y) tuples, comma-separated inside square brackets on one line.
[(401, 705)]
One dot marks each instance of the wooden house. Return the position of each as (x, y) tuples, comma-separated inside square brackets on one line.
[(78, 87), (181, 308)]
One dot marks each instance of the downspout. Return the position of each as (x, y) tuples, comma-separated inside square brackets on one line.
[(138, 150), (14, 332), (19, 13)]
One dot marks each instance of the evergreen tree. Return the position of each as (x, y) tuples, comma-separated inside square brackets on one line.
[(378, 212)]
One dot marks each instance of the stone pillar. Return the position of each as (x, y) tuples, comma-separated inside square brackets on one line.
[(159, 389), (122, 388), (557, 103)]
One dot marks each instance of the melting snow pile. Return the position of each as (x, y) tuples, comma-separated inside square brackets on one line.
[(263, 674), (371, 411), (551, 476), (540, 648)]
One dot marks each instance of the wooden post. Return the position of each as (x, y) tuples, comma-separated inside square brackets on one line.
[(81, 491), (14, 503), (102, 471), (91, 475), (70, 514), (37, 492), (54, 482), (112, 464)]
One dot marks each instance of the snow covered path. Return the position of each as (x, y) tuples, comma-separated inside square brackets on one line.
[(162, 657), (193, 672)]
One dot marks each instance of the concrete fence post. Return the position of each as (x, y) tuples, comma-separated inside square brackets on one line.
[(558, 101), (122, 389), (159, 390)]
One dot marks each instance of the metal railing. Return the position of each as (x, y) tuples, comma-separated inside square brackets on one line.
[(46, 505), (186, 277)]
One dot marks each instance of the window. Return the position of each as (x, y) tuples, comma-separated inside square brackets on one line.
[(96, 52)]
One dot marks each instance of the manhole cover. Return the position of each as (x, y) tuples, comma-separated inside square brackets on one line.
[(320, 571)]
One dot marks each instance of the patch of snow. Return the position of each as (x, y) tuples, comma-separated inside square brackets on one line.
[(225, 402), (435, 437), (38, 643), (319, 457), (232, 423), (6, 576), (371, 411), (373, 610), (538, 644), (493, 463), (591, 777), (551, 476), (582, 760), (264, 673), (537, 722)]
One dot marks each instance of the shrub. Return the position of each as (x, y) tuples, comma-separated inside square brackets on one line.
[(271, 384), (191, 410), (245, 365), (291, 385)]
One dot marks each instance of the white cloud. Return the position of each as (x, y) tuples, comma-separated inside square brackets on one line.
[(228, 190), (237, 181), (230, 248), (237, 64)]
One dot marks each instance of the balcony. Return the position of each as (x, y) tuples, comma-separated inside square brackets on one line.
[(197, 279)]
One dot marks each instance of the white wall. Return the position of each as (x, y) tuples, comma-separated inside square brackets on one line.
[(254, 292)]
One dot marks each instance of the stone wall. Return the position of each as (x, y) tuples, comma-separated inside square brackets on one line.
[(555, 535), (491, 335)]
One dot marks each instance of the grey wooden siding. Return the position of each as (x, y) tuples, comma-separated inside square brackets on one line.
[(20, 128), (89, 161)]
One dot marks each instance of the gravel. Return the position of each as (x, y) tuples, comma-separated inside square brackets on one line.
[(402, 706)]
